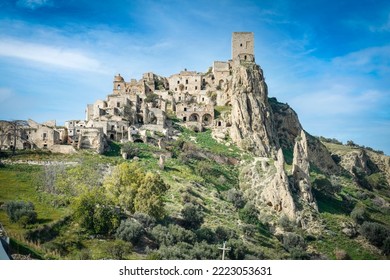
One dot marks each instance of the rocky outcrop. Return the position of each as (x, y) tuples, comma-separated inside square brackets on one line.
[(357, 159), (300, 170), (265, 182), (288, 128), (252, 122), (382, 162)]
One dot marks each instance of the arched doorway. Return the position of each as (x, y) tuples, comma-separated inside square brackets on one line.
[(138, 141), (207, 119), (194, 117)]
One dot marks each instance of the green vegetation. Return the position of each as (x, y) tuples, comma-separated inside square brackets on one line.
[(90, 206), (22, 212)]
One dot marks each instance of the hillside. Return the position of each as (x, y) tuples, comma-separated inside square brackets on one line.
[(208, 175)]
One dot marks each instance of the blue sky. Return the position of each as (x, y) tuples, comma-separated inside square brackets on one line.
[(330, 60)]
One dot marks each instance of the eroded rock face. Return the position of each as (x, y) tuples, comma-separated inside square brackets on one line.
[(252, 122), (300, 170), (266, 183)]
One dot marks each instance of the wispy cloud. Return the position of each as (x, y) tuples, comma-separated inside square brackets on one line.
[(373, 59), (33, 4), (381, 27), (49, 55)]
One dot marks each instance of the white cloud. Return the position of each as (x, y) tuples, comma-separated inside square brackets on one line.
[(50, 55), (33, 4)]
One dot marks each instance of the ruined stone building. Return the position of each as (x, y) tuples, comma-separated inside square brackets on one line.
[(198, 100)]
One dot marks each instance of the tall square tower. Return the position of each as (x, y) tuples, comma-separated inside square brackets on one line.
[(242, 43)]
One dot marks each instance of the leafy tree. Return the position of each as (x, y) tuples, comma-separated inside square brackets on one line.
[(136, 190), (192, 216), (130, 230), (21, 211), (95, 212)]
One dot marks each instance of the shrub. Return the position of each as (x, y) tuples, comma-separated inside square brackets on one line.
[(249, 214), (341, 255), (386, 246), (222, 234), (144, 219), (21, 211), (192, 216), (295, 245), (286, 223), (117, 249), (203, 168), (293, 241), (130, 230), (359, 214), (204, 251), (171, 235), (377, 181), (206, 234), (237, 251), (235, 196), (375, 233)]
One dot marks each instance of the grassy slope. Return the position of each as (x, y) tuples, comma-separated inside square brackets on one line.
[(17, 182)]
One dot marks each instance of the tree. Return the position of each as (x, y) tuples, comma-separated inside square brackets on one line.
[(96, 213), (136, 190)]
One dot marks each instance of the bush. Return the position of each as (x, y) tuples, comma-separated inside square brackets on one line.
[(377, 181), (375, 233), (249, 214), (192, 216), (171, 235), (359, 214), (286, 223), (237, 251), (117, 249), (235, 196), (144, 219), (295, 245), (341, 255), (292, 241), (206, 234), (130, 230), (21, 211), (386, 246)]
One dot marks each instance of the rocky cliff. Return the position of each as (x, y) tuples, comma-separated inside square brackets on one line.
[(252, 120)]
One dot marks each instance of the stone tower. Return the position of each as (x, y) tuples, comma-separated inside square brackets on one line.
[(243, 46)]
